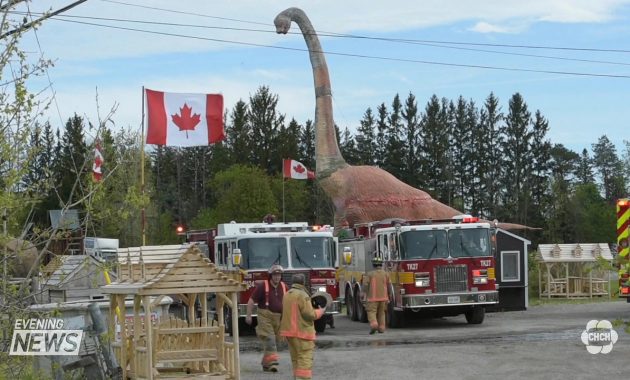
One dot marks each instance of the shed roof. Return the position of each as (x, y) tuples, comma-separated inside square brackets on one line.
[(63, 268), (580, 252), (172, 269)]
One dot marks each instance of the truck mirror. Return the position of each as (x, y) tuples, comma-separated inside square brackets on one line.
[(236, 257), (347, 255)]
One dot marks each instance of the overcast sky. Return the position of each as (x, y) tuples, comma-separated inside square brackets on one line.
[(228, 47)]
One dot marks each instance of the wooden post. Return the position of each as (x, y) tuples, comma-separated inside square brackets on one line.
[(540, 290), (136, 332), (148, 328), (590, 283), (120, 301), (237, 364), (567, 277)]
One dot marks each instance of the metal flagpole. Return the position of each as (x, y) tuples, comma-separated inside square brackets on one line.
[(283, 179), (143, 215)]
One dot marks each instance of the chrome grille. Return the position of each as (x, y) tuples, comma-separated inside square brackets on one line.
[(451, 278), (287, 276)]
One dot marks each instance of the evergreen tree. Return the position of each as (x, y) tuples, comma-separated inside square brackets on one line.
[(348, 147), (459, 151), (560, 221), (394, 147), (307, 145), (490, 123), (584, 170), (516, 161), (539, 183), (73, 161), (238, 135), (288, 141), (609, 168), (366, 139), (435, 148), (381, 135), (411, 134), (476, 159), (265, 123)]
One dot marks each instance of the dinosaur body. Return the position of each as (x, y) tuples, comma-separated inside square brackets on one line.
[(359, 193)]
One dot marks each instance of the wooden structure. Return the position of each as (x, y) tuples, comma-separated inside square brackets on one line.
[(73, 278), (151, 348), (572, 270)]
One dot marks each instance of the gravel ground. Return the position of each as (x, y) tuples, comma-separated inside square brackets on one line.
[(540, 343)]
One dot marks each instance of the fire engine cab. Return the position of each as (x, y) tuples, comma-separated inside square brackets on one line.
[(246, 251), (436, 267)]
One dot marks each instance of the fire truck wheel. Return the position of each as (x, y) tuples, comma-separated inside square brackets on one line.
[(395, 319), (320, 324), (350, 306), (475, 315), (360, 309)]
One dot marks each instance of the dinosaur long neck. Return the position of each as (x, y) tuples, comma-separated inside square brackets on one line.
[(327, 153)]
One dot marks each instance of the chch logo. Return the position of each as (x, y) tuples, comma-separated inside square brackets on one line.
[(599, 337)]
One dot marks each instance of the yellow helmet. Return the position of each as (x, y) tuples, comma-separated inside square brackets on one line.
[(377, 261)]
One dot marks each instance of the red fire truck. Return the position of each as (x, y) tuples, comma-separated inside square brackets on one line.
[(436, 267), (298, 247), (623, 236)]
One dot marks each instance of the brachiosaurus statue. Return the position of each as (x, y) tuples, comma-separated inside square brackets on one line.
[(359, 193)]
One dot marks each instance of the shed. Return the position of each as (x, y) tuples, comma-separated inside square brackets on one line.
[(159, 348), (572, 270), (73, 278), (511, 271)]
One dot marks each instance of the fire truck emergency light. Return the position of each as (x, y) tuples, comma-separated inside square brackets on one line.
[(180, 230), (622, 203)]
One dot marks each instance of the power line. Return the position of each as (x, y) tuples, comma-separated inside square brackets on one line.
[(333, 34), (337, 35), (517, 69)]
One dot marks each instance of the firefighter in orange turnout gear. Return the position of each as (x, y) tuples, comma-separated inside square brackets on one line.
[(377, 293), (297, 326), (268, 295)]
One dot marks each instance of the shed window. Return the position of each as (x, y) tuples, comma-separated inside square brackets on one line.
[(510, 266)]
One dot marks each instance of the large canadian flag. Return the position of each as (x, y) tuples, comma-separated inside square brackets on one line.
[(296, 170), (176, 119)]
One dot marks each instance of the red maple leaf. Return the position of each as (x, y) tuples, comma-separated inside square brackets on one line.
[(299, 169), (186, 122)]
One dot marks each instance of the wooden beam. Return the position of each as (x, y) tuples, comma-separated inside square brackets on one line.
[(148, 328), (237, 365)]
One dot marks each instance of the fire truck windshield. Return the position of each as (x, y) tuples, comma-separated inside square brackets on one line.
[(430, 244), (426, 244), (469, 242), (312, 252), (262, 253)]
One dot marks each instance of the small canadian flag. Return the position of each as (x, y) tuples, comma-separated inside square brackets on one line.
[(97, 170), (296, 170), (176, 119)]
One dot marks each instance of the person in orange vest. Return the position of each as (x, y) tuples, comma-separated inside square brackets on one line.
[(268, 294), (297, 326), (377, 296)]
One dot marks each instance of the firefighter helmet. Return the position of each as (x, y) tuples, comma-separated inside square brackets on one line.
[(276, 268), (377, 261)]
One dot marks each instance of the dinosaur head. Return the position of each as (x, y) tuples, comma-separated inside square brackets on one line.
[(282, 23)]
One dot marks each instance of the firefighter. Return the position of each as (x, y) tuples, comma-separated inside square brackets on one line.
[(268, 295), (297, 326), (377, 296)]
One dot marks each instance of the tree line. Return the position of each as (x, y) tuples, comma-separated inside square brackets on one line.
[(486, 160)]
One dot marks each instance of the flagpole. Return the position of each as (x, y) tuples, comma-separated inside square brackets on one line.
[(283, 219), (143, 214)]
